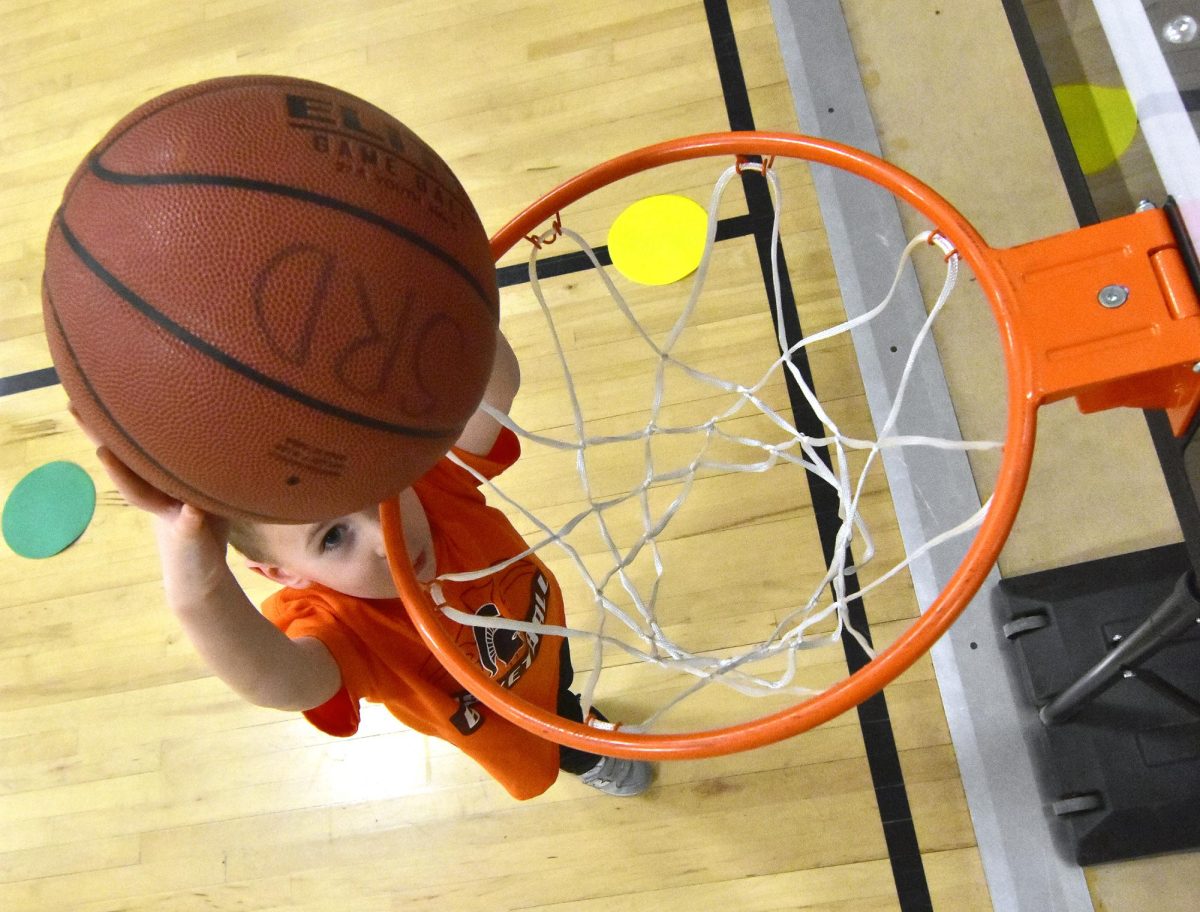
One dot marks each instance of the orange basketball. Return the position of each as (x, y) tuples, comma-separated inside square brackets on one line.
[(270, 298)]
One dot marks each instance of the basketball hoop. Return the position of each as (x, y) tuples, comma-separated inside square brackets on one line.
[(1060, 335)]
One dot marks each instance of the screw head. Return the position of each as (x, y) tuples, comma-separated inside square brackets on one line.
[(1180, 30), (1113, 295)]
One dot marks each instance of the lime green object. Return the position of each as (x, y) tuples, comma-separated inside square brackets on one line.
[(658, 240), (48, 509), (1101, 122)]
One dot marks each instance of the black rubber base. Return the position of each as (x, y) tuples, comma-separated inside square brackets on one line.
[(1122, 775)]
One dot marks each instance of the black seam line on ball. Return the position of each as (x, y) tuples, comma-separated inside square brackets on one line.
[(307, 196), (112, 419), (206, 348)]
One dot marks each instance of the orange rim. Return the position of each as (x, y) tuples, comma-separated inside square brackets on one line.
[(888, 664)]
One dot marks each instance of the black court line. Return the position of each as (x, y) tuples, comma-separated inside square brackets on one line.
[(30, 380), (578, 261), (883, 758), (506, 276), (1052, 119)]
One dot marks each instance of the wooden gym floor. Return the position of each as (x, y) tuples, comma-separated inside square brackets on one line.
[(131, 780)]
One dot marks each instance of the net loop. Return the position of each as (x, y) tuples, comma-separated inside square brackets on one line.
[(549, 236), (754, 163), (937, 239)]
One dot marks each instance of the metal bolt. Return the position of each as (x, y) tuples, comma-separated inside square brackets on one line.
[(1113, 295), (1146, 205), (1180, 30)]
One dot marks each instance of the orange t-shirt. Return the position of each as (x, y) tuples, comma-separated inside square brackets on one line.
[(384, 660)]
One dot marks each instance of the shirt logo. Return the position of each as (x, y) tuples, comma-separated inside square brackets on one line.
[(505, 654)]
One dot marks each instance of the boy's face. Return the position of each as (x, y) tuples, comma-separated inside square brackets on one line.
[(347, 554)]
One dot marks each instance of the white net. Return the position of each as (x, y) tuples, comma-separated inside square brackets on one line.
[(646, 452)]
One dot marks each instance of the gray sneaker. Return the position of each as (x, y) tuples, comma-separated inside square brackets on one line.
[(614, 776), (622, 778)]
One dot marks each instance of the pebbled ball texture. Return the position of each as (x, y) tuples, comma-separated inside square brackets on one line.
[(270, 299)]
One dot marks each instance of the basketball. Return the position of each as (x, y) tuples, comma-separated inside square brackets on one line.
[(270, 299)]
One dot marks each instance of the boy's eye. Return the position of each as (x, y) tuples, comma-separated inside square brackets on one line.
[(334, 537)]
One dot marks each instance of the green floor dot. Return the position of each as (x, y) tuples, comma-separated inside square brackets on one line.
[(48, 509)]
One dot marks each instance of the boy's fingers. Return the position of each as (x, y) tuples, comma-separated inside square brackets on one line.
[(193, 517), (132, 487), (136, 490), (193, 521)]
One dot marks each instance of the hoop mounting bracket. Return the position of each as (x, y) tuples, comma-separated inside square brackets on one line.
[(1108, 314)]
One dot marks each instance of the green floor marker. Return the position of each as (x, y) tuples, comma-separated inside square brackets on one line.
[(48, 509)]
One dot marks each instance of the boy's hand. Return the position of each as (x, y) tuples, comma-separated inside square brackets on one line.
[(241, 646)]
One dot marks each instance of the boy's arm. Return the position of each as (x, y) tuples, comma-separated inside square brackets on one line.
[(245, 650), (481, 431), (251, 655)]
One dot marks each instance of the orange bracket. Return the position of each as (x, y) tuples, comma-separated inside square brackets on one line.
[(1109, 315)]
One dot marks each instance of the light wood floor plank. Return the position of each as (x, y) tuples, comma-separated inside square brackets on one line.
[(129, 779)]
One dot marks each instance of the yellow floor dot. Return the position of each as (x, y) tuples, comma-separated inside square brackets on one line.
[(658, 240), (1101, 122)]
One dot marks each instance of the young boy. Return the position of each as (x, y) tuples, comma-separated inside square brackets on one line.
[(337, 633)]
